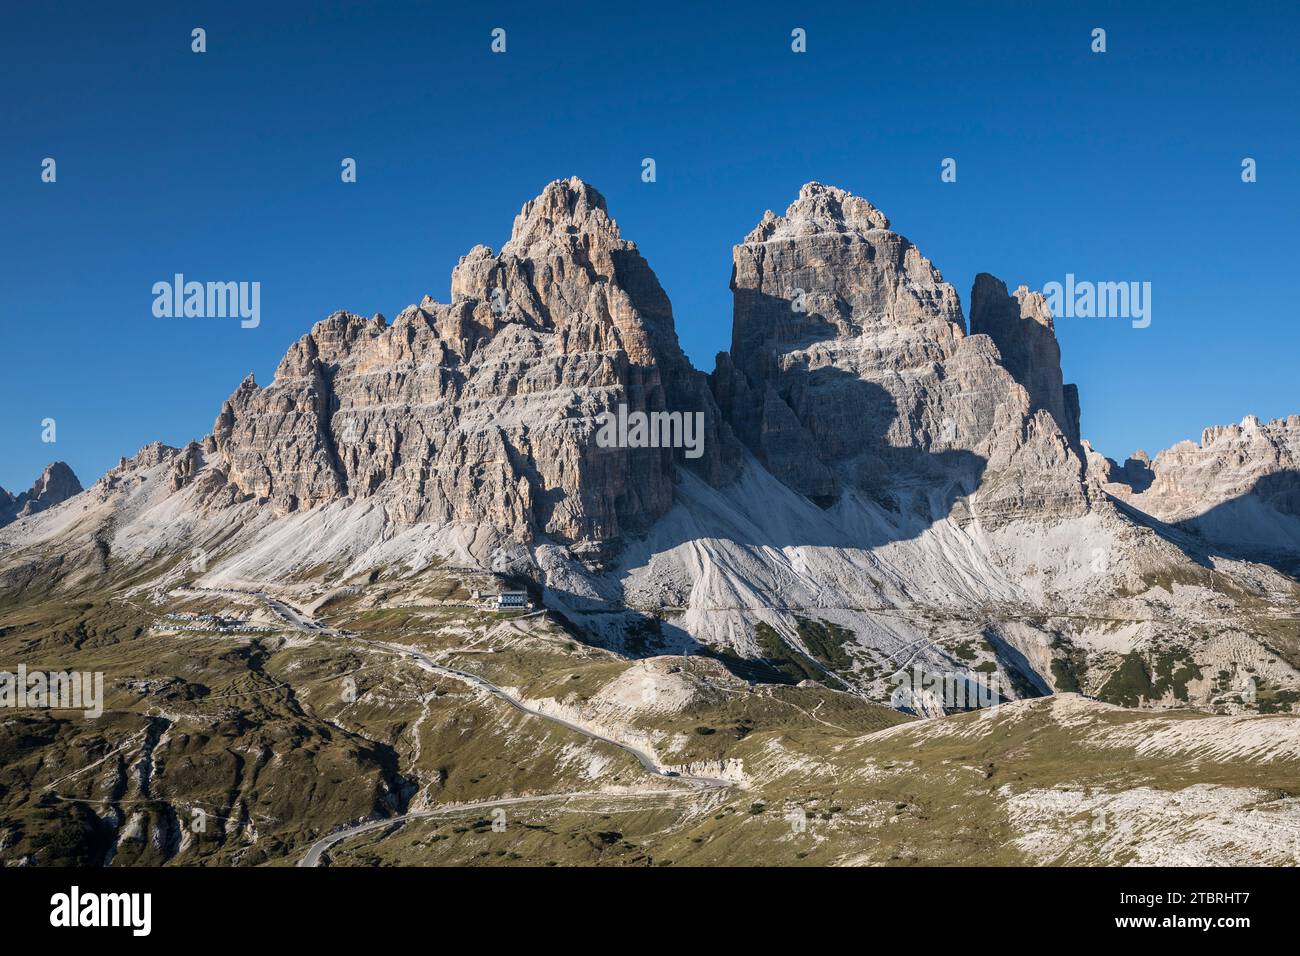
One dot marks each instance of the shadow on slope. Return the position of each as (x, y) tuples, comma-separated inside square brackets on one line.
[(1262, 526), (736, 549)]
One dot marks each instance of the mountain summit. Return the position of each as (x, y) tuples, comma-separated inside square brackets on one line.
[(482, 412)]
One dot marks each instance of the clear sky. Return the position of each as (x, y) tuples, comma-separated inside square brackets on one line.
[(1122, 166)]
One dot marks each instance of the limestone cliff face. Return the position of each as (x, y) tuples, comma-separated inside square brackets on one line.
[(850, 368), (484, 410), (56, 485), (945, 469)]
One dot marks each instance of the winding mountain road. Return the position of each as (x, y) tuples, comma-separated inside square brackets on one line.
[(303, 622), (646, 760)]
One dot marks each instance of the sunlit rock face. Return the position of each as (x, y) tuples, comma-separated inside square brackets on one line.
[(485, 410)]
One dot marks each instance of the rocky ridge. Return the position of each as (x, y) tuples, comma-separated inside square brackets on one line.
[(1238, 489)]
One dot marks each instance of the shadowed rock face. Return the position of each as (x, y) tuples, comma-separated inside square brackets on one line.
[(946, 466), (1021, 326), (484, 410), (850, 368), (55, 485)]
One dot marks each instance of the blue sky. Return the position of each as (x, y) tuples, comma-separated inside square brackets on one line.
[(225, 166)]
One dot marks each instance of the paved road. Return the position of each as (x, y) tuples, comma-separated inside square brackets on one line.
[(295, 618)]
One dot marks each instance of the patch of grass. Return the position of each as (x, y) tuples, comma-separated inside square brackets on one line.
[(1069, 666), (826, 642), (1130, 684), (965, 650), (794, 665)]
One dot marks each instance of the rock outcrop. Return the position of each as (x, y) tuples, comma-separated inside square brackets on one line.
[(850, 368), (56, 485)]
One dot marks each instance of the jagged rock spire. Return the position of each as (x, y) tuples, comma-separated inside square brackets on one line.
[(1021, 326), (56, 484)]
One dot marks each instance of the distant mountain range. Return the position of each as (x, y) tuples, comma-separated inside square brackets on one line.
[(56, 485)]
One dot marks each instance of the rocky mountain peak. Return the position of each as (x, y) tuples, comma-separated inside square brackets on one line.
[(57, 480), (820, 209), (990, 293), (850, 367), (1241, 482), (330, 341), (568, 210), (484, 411)]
